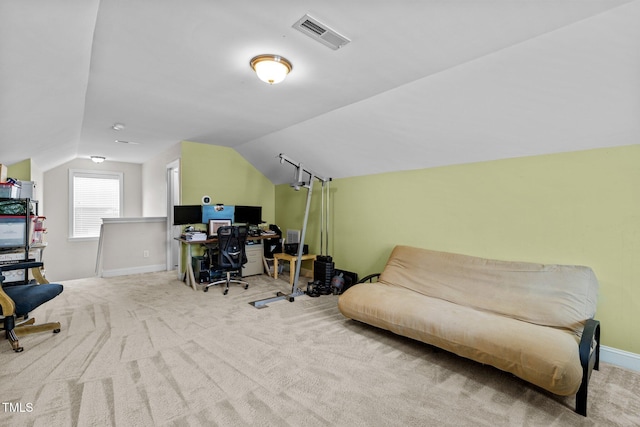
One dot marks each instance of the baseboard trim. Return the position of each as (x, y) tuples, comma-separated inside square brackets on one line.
[(624, 359), (134, 270)]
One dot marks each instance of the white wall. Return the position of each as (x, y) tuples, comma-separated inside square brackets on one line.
[(65, 259), (154, 182), (132, 246)]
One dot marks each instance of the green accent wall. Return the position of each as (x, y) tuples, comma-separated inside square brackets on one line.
[(20, 170), (225, 176), (572, 208)]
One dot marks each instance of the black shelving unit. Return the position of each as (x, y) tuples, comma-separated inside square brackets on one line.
[(24, 210)]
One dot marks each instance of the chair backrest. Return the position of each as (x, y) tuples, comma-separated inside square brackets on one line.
[(231, 247)]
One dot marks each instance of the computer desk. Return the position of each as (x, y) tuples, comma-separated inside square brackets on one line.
[(190, 278)]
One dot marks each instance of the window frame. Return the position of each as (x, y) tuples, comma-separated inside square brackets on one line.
[(119, 176)]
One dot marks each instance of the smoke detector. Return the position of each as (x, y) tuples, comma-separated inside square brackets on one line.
[(320, 32)]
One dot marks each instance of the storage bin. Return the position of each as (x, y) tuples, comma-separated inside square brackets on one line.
[(13, 229), (38, 229), (9, 191), (26, 189)]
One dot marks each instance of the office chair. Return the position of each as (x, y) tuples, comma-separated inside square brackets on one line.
[(16, 301), (231, 255)]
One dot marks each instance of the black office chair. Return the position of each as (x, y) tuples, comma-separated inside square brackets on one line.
[(231, 256), (18, 300)]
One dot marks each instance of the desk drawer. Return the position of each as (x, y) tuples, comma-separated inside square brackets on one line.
[(254, 261)]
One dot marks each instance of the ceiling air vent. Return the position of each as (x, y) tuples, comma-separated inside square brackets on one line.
[(320, 32)]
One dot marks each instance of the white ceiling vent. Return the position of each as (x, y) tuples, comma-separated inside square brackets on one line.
[(320, 32)]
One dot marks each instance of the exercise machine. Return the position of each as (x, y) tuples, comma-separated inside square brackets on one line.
[(304, 178)]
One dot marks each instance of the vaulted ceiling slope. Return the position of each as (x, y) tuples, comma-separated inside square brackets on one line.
[(421, 84)]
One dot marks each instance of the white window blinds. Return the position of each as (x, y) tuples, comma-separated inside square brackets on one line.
[(93, 196)]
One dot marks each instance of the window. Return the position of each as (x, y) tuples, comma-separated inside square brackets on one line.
[(93, 196)]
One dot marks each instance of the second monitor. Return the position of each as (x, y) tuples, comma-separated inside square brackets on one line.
[(250, 215)]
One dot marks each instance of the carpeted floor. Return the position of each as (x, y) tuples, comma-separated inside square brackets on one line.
[(146, 350)]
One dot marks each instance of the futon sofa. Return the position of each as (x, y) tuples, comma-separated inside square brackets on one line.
[(532, 320)]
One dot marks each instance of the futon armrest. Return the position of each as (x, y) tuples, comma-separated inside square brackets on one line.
[(369, 278), (590, 343), (589, 350)]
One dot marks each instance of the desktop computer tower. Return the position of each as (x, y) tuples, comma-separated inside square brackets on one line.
[(200, 268), (273, 245)]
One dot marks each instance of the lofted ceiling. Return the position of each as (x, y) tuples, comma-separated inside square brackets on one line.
[(421, 84)]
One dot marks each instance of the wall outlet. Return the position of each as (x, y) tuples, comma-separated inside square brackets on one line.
[(145, 253)]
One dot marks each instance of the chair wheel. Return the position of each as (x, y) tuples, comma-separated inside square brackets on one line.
[(225, 291), (56, 331), (246, 286), (18, 349), (206, 289)]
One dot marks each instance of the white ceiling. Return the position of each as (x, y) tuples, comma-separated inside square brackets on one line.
[(422, 83)]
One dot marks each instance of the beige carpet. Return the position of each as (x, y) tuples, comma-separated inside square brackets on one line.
[(146, 350)]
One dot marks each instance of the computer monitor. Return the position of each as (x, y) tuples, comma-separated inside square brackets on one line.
[(251, 215), (214, 224), (187, 214)]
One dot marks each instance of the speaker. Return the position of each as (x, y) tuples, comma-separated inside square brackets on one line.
[(292, 249)]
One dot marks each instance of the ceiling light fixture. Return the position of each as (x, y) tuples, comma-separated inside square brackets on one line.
[(98, 159), (117, 126), (271, 69)]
